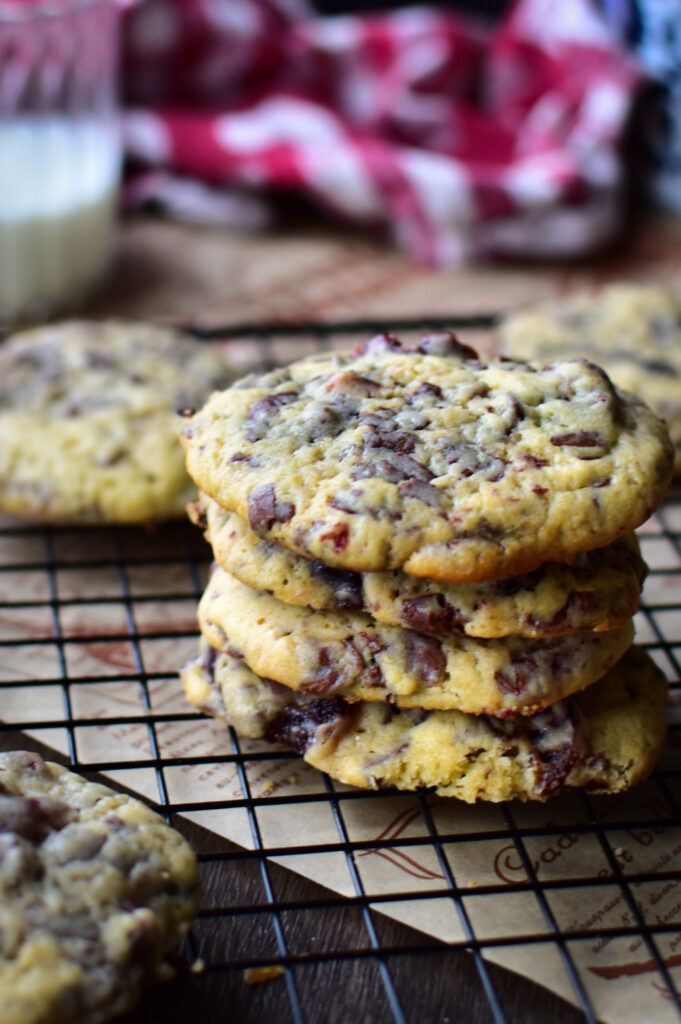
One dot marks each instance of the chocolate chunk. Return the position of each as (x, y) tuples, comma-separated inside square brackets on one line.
[(527, 461), (393, 468), (261, 412), (338, 534), (373, 642), (433, 390), (378, 344), (385, 436), (471, 460), (33, 818), (337, 666), (298, 727), (516, 677), (346, 585), (509, 585), (445, 343), (557, 747), (424, 658), (264, 510), (431, 613), (578, 439)]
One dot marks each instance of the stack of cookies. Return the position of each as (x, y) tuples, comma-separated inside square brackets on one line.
[(426, 571)]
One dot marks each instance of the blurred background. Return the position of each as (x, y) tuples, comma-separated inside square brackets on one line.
[(227, 161)]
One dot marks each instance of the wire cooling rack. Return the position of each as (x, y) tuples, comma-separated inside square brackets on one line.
[(578, 894)]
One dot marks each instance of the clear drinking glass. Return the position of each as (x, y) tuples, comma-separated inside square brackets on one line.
[(60, 151)]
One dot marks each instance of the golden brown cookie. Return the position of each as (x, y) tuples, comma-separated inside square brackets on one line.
[(350, 654), (94, 889), (599, 590), (88, 420), (605, 739), (431, 461)]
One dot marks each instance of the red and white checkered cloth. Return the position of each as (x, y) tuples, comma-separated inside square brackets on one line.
[(454, 139)]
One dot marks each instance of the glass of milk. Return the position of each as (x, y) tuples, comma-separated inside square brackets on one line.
[(60, 152)]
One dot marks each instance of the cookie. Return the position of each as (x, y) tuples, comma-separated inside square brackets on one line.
[(350, 654), (430, 461), (88, 420), (632, 330), (600, 590), (95, 887), (605, 739)]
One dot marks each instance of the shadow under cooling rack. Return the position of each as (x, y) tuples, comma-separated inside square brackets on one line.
[(376, 906)]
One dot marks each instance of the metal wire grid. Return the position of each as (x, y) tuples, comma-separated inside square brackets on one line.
[(88, 617)]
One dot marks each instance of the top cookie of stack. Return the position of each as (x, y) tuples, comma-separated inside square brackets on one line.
[(430, 461), (444, 544)]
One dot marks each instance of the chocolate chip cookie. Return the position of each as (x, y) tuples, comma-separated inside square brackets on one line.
[(604, 739), (632, 330), (431, 461), (600, 590), (350, 654), (88, 420), (95, 888)]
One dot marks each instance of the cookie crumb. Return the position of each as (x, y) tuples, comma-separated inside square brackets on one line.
[(267, 788), (259, 975), (198, 967)]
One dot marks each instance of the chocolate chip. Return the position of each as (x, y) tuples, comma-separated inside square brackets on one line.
[(297, 727), (445, 343), (424, 657), (264, 510), (385, 436), (33, 818), (338, 534), (527, 461), (433, 390), (516, 677), (431, 613), (377, 345), (259, 416), (346, 585), (337, 666), (392, 467), (556, 747), (578, 439), (470, 459)]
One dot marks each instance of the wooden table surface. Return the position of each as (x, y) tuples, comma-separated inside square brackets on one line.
[(177, 273)]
